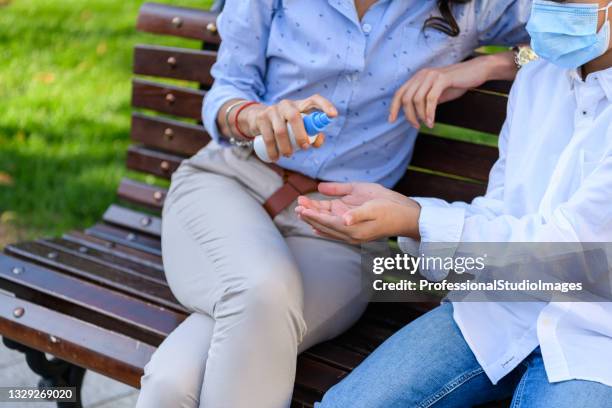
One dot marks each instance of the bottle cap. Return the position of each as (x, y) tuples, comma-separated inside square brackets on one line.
[(315, 122)]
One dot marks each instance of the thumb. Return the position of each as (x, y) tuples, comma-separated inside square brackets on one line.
[(335, 189), (360, 214), (319, 140)]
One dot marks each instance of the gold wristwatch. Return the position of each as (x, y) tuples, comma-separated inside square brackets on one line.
[(523, 54)]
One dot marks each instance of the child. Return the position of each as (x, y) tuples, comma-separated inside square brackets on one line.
[(552, 183)]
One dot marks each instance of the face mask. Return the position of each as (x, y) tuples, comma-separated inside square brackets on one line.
[(566, 34)]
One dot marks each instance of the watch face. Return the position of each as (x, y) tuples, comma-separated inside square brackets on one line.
[(526, 55)]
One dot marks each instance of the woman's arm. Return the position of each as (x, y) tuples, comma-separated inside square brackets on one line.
[(239, 71), (239, 77), (500, 22)]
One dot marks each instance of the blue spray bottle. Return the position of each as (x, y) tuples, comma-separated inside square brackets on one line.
[(314, 123)]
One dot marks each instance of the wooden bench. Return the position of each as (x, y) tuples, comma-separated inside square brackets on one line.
[(98, 300)]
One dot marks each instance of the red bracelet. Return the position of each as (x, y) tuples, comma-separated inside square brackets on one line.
[(243, 107)]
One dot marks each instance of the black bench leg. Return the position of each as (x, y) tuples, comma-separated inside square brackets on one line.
[(54, 372)]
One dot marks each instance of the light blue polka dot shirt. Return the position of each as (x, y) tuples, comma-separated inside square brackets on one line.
[(291, 49)]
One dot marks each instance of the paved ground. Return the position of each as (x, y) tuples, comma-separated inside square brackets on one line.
[(98, 391)]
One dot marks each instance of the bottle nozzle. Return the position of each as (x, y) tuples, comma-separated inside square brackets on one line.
[(316, 122)]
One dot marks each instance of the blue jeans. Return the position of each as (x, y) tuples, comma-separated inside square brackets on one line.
[(429, 364)]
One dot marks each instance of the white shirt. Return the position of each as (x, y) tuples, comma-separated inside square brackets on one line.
[(552, 183)]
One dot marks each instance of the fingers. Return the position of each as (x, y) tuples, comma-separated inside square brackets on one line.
[(432, 100), (290, 112), (324, 227), (306, 202), (319, 140), (265, 128), (335, 189), (318, 102), (358, 215), (322, 231), (420, 98), (281, 134), (408, 105), (396, 103), (334, 227), (328, 220)]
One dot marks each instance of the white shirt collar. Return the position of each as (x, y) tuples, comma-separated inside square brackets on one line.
[(604, 78)]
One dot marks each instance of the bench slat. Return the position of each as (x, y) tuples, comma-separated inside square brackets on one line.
[(151, 161), (108, 259), (86, 301), (502, 87), (132, 254), (179, 22), (316, 376), (335, 356), (133, 220), (141, 193), (304, 398), (104, 275), (416, 183), (169, 99), (73, 340), (169, 135), (126, 238), (177, 63), (454, 157), (469, 111)]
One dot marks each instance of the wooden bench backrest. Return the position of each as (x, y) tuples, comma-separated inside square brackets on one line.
[(166, 122)]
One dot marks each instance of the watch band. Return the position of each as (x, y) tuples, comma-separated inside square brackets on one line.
[(523, 54)]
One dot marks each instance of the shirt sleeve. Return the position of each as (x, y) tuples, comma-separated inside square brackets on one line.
[(502, 22), (244, 26)]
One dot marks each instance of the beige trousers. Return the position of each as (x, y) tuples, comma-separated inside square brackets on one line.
[(260, 290)]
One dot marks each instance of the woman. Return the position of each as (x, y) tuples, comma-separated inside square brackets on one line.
[(552, 183), (262, 286)]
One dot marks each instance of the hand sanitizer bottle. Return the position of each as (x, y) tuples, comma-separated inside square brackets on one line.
[(314, 123)]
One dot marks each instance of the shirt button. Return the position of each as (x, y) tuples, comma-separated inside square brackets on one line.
[(366, 28)]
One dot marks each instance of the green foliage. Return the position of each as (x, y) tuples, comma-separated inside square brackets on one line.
[(65, 88)]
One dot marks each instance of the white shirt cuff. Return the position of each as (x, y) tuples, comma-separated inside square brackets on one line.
[(440, 229)]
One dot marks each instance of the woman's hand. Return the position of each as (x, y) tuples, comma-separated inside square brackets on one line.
[(428, 88), (271, 123), (362, 212)]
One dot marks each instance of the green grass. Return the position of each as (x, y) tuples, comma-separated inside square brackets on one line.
[(64, 108)]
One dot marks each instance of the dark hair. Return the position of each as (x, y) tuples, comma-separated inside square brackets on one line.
[(446, 22)]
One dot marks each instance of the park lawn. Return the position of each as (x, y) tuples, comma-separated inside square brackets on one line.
[(65, 70)]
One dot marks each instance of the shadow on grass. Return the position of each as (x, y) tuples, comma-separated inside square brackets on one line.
[(58, 186)]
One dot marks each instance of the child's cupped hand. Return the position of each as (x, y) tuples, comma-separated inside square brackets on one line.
[(358, 212)]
